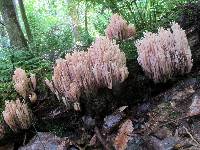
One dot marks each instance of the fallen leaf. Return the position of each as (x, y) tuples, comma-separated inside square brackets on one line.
[(124, 135)]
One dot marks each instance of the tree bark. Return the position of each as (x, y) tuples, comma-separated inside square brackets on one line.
[(25, 20), (13, 28), (73, 12), (3, 36)]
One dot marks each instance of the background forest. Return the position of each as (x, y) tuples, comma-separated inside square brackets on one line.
[(33, 33)]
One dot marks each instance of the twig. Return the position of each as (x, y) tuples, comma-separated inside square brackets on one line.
[(198, 144), (24, 139), (185, 117), (99, 136)]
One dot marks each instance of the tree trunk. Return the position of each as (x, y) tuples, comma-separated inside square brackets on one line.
[(73, 12), (25, 20), (4, 41), (13, 28), (3, 35)]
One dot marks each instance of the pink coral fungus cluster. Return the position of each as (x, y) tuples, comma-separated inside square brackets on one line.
[(119, 29), (103, 65), (22, 84), (165, 53), (17, 115)]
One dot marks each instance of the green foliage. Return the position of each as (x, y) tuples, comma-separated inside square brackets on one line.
[(50, 32), (86, 38), (21, 58), (129, 48), (145, 14), (101, 20)]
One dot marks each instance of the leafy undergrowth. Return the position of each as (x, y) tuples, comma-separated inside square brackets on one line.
[(26, 60)]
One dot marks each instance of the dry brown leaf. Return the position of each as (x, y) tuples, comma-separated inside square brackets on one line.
[(124, 135)]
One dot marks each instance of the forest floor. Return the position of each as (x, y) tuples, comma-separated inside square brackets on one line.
[(167, 121)]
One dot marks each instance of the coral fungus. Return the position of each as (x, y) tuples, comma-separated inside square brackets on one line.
[(165, 53), (103, 65)]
